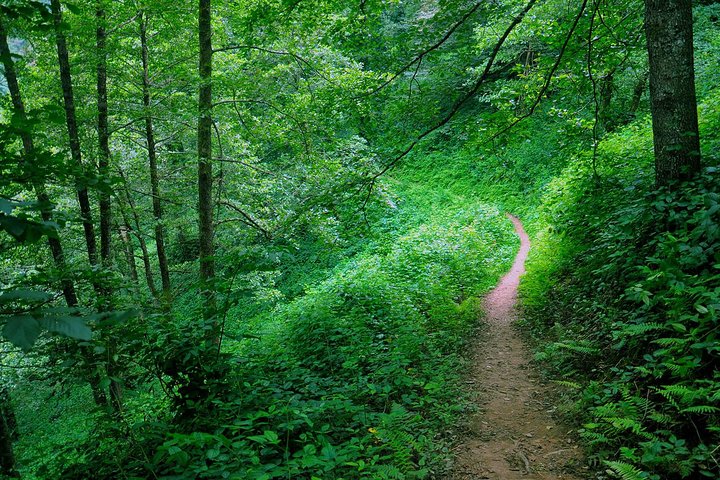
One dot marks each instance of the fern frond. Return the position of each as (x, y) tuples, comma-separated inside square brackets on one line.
[(639, 329), (701, 409), (625, 471), (568, 384), (577, 348)]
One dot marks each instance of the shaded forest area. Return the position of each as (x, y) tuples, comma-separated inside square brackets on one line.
[(250, 239)]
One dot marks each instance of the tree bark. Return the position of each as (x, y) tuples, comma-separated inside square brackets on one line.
[(669, 32), (205, 170), (129, 254), (637, 95), (152, 158), (71, 120), (76, 154), (606, 94)]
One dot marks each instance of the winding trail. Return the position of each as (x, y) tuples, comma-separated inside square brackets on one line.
[(513, 435)]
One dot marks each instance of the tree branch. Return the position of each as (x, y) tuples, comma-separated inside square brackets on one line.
[(548, 79), (422, 55), (274, 52), (248, 219), (458, 104)]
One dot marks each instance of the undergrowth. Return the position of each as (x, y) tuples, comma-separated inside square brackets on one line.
[(622, 295), (353, 376)]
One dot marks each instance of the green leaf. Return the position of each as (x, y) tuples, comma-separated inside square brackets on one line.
[(73, 8), (24, 295), (271, 436), (6, 206), (21, 330), (73, 327)]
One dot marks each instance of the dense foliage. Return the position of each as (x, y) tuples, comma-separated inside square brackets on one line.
[(622, 293), (363, 157)]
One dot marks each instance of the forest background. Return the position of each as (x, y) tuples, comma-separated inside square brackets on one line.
[(247, 239)]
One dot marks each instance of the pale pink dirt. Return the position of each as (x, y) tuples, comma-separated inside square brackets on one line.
[(513, 435)]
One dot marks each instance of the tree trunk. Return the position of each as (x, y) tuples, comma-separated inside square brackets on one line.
[(103, 138), (606, 94), (152, 158), (138, 234), (129, 254), (56, 248), (7, 456), (71, 120), (205, 175), (637, 95), (76, 153), (668, 27)]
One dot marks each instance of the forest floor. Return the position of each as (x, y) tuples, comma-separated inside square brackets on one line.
[(513, 434)]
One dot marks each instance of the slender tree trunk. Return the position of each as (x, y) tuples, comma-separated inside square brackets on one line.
[(205, 170), (638, 91), (56, 248), (7, 456), (129, 254), (138, 234), (606, 94), (104, 192), (103, 138), (152, 157), (669, 31), (8, 434), (76, 153), (71, 120)]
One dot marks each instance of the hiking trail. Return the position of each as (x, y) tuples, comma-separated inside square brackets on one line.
[(513, 435)]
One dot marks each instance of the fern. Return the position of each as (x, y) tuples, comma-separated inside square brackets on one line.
[(661, 418), (595, 438), (625, 471), (700, 409), (402, 445), (568, 384), (666, 341), (623, 423), (389, 472), (639, 329), (577, 348), (678, 390)]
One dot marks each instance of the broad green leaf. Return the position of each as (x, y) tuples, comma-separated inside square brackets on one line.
[(73, 327), (24, 295), (21, 330)]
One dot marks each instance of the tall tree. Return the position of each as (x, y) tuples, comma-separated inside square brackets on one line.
[(205, 170), (82, 192), (152, 158), (669, 32), (72, 128), (56, 248), (103, 137)]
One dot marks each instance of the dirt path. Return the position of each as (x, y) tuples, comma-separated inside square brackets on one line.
[(513, 436)]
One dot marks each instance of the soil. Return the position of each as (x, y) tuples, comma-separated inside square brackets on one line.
[(513, 435)]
